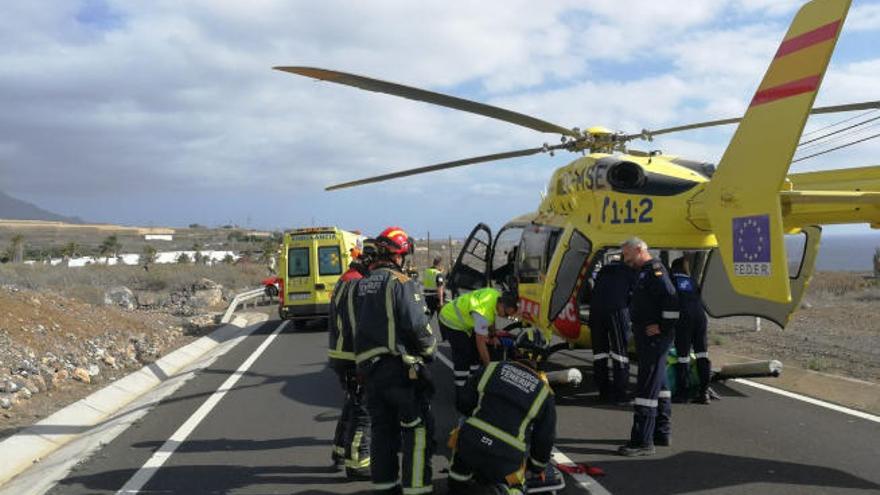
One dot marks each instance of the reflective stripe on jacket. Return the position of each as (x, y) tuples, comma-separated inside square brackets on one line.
[(391, 316), (456, 314)]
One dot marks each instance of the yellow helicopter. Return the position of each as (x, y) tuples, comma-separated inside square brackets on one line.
[(731, 222)]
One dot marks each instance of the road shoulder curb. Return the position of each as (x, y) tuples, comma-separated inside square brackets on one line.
[(30, 445)]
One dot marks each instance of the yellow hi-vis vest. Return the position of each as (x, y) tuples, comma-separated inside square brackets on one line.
[(430, 281), (456, 314)]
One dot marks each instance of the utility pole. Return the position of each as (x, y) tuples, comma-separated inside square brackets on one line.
[(450, 256)]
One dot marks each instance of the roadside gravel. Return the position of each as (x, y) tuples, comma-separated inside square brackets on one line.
[(55, 350), (836, 332)]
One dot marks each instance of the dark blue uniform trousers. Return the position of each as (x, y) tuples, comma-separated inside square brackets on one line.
[(609, 334), (653, 411), (690, 332)]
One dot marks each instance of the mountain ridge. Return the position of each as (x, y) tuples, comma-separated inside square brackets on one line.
[(16, 209)]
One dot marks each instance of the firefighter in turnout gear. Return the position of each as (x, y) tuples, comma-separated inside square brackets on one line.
[(466, 321), (654, 311), (509, 423), (434, 285), (394, 342), (351, 442), (690, 331), (609, 329)]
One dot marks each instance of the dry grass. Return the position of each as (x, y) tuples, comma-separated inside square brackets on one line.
[(88, 283), (838, 283)]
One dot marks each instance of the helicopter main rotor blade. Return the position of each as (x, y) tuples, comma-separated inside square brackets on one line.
[(370, 84), (446, 165), (850, 107)]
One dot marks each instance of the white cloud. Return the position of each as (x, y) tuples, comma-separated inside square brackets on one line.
[(767, 7), (864, 17), (178, 98)]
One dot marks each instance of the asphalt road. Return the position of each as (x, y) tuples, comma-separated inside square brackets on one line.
[(271, 433)]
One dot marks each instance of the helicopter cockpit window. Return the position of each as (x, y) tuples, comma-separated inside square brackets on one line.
[(504, 257), (536, 248)]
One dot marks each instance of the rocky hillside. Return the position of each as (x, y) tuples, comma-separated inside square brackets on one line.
[(56, 349)]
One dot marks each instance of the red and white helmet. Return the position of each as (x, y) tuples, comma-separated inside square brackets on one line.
[(395, 241)]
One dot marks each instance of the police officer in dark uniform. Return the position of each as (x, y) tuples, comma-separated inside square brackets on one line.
[(654, 311), (609, 329), (351, 443), (394, 341), (690, 330), (509, 425)]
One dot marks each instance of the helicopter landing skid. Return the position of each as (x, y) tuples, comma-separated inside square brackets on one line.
[(553, 349)]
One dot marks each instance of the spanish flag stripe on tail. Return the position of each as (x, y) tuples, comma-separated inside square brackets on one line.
[(824, 33), (793, 88)]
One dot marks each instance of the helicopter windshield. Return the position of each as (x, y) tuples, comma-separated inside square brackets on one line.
[(536, 248)]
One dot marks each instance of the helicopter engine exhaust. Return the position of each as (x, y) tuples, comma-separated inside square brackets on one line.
[(756, 369), (626, 175)]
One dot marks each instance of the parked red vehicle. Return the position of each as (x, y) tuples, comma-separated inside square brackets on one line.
[(273, 286)]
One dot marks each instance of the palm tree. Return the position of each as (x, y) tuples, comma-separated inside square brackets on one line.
[(16, 250), (198, 258), (70, 250), (269, 250), (109, 246), (148, 256), (877, 262)]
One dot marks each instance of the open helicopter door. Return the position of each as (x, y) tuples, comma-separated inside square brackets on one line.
[(474, 263), (720, 299), (565, 278)]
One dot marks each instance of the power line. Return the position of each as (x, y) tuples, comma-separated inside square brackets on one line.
[(844, 136), (837, 148), (829, 126), (839, 131)]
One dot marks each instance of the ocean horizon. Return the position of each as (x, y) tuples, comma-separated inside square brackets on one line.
[(848, 252)]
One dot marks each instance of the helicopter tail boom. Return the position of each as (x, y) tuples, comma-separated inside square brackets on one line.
[(832, 197), (743, 203)]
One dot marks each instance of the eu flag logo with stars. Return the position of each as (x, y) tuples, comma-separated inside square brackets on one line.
[(751, 245)]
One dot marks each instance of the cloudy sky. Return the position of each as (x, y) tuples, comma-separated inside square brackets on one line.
[(166, 112)]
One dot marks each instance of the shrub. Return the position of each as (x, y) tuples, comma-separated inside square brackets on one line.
[(837, 283), (88, 283)]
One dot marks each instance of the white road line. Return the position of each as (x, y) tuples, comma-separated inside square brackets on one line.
[(810, 400), (140, 478), (792, 395), (583, 480)]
